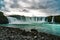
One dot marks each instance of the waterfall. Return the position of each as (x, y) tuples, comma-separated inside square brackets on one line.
[(36, 19), (13, 20), (43, 19), (26, 20), (52, 19)]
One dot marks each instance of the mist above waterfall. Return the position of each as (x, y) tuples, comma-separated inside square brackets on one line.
[(47, 7)]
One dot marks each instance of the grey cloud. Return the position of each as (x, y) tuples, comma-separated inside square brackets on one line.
[(14, 6), (48, 6)]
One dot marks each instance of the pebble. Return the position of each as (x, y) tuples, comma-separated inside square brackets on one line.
[(7, 33)]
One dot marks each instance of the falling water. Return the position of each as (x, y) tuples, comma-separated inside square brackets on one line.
[(36, 19), (52, 19), (26, 20), (43, 19), (13, 20)]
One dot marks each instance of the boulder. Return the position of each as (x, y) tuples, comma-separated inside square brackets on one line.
[(34, 32), (3, 19)]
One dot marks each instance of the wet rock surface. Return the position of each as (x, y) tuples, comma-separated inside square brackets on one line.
[(8, 33)]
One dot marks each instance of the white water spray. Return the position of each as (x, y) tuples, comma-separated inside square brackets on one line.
[(27, 20), (52, 19)]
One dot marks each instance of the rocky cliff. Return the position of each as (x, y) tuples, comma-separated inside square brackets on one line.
[(56, 19), (3, 19)]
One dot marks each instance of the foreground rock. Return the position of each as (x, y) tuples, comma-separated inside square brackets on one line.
[(3, 19), (7, 33)]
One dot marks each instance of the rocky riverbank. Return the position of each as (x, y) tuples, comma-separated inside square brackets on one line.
[(7, 33)]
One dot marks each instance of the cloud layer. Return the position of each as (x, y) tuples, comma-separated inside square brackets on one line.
[(47, 6)]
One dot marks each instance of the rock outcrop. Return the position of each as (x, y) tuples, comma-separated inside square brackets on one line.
[(56, 19), (3, 19)]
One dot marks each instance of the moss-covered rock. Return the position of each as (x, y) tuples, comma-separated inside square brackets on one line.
[(3, 19)]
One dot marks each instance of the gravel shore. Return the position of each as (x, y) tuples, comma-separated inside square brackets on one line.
[(9, 33)]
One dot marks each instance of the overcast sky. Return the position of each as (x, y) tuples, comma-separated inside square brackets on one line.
[(45, 6)]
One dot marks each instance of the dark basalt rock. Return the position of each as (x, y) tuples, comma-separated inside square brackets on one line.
[(55, 20), (3, 19)]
